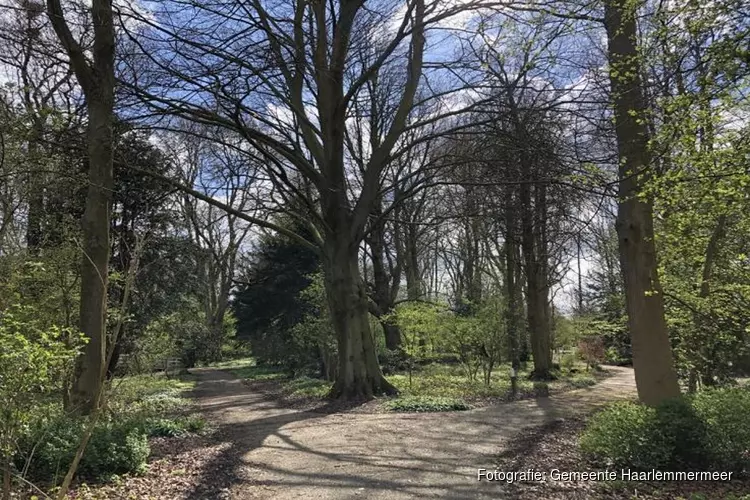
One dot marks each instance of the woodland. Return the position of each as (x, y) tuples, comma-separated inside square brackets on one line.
[(421, 205)]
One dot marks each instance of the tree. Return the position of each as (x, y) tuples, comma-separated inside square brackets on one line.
[(655, 374), (268, 303), (291, 105), (96, 77)]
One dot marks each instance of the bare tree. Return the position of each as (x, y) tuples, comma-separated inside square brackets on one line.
[(222, 173), (286, 84)]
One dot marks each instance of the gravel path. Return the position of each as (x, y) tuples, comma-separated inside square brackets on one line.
[(271, 452)]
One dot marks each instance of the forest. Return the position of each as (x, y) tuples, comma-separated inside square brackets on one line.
[(524, 219)]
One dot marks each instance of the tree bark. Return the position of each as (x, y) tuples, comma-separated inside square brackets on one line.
[(359, 375), (536, 290), (382, 293), (97, 81), (655, 374), (511, 284), (95, 260)]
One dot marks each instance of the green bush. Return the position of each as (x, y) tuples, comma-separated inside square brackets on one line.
[(114, 448), (685, 431), (49, 446), (194, 423), (710, 430), (726, 415), (426, 404), (567, 361), (627, 435), (582, 381), (163, 427)]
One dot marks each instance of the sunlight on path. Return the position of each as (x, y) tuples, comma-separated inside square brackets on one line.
[(281, 453)]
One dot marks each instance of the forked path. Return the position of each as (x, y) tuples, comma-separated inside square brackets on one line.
[(280, 453)]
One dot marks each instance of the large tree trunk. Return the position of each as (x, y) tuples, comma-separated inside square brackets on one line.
[(655, 374), (359, 375), (95, 261), (536, 291)]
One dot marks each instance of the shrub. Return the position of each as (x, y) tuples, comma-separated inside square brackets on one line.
[(592, 351), (163, 427), (567, 362), (34, 360), (709, 430), (114, 448), (626, 435), (194, 423), (582, 381), (426, 404), (685, 431), (725, 412), (49, 446)]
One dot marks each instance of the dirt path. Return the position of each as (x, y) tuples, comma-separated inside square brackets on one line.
[(278, 453)]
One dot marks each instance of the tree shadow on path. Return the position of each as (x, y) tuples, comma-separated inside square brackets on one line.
[(269, 451)]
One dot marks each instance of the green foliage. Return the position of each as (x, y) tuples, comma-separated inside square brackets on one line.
[(581, 381), (420, 326), (270, 301), (115, 447), (725, 412), (137, 407), (477, 341), (567, 361), (312, 347), (306, 386), (183, 334), (627, 435), (173, 427), (708, 430), (426, 404), (34, 361)]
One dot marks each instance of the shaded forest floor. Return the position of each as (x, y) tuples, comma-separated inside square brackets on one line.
[(260, 448), (433, 383)]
